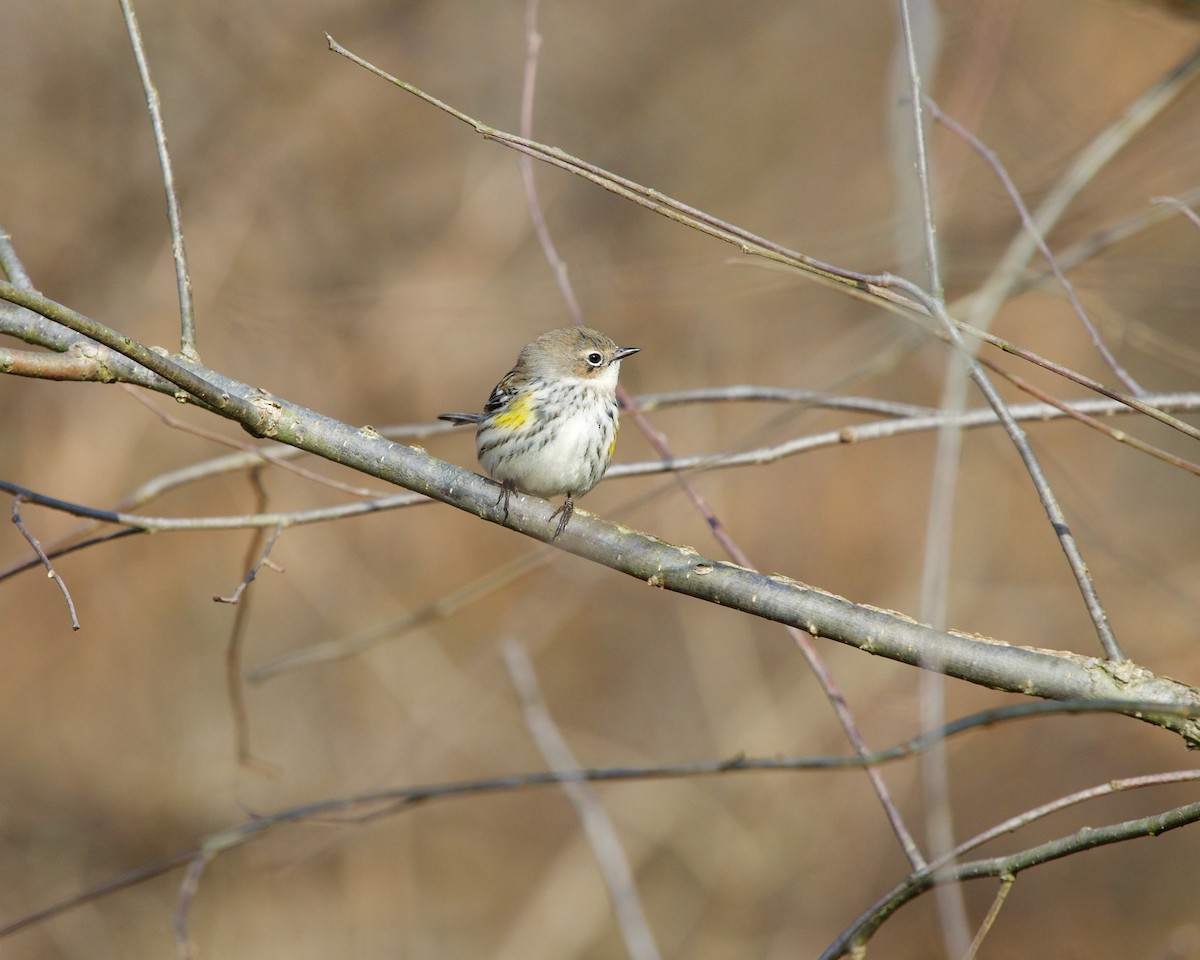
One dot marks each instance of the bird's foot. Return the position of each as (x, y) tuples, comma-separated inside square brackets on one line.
[(564, 514)]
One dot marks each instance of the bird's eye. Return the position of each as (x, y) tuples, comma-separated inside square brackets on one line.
[(594, 358)]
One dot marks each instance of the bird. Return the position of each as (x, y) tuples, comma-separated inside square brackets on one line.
[(550, 425)]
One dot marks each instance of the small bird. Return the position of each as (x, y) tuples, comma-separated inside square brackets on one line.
[(550, 425)]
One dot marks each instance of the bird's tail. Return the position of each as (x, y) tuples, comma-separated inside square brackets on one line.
[(461, 417)]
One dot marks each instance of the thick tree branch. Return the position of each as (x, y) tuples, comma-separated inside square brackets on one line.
[(1050, 675)]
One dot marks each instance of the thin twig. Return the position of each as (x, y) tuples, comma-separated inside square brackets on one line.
[(185, 949), (935, 572), (1088, 163), (647, 197), (1058, 521), (242, 522), (902, 419), (877, 288), (1180, 206), (597, 826), (183, 281), (928, 223), (1028, 817), (1120, 436), (444, 606), (537, 216), (42, 365), (404, 798), (11, 263), (1134, 403), (1006, 885), (255, 417), (274, 455), (18, 567), (258, 553), (1111, 234), (257, 547), (990, 157), (856, 936), (37, 548)]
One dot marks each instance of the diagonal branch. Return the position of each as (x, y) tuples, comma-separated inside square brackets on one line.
[(681, 569)]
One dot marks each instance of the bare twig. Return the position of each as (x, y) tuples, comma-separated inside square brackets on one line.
[(11, 263), (41, 365), (185, 948), (393, 629), (187, 315), (276, 456), (255, 417), (1112, 234), (1179, 205), (1103, 147), (1120, 436), (653, 200), (989, 156), (1134, 403), (1006, 885), (399, 799), (257, 547), (37, 548), (935, 572), (856, 936), (1058, 521), (533, 44), (599, 829), (902, 419), (18, 567), (922, 160), (257, 554), (238, 522)]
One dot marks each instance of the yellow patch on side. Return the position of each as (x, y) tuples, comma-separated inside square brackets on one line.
[(612, 445), (516, 415)]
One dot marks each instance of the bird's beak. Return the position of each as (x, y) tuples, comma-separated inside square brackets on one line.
[(623, 352)]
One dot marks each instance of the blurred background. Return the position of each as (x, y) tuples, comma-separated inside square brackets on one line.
[(356, 251)]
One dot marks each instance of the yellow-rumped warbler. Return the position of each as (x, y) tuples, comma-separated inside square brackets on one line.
[(550, 426)]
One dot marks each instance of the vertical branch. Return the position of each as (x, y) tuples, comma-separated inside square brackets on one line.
[(597, 825), (260, 547), (185, 949), (533, 46), (183, 280), (927, 220), (935, 573)]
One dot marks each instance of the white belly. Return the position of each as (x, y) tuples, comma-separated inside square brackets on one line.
[(572, 459)]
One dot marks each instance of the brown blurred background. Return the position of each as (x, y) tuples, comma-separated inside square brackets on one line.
[(356, 251)]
